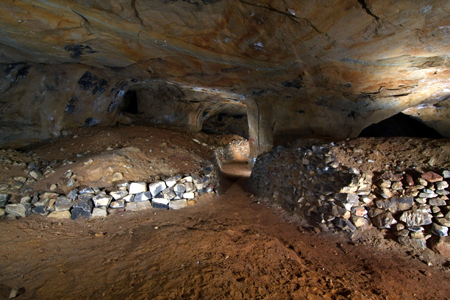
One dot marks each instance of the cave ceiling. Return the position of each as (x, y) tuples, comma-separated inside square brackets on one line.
[(319, 67)]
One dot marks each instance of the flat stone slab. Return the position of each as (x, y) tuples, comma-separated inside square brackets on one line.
[(60, 215), (137, 206), (432, 177)]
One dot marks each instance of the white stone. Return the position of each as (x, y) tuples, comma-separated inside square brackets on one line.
[(128, 198), (99, 212), (25, 200), (189, 195), (118, 194), (170, 182), (441, 185), (157, 187), (187, 179), (102, 200), (118, 204), (138, 187)]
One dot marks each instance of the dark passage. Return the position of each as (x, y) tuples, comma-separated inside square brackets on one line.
[(130, 103), (400, 125)]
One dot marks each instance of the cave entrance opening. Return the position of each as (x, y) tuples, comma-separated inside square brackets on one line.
[(130, 102), (400, 125)]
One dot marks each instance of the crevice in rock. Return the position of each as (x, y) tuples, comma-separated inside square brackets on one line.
[(290, 16), (364, 6), (136, 13)]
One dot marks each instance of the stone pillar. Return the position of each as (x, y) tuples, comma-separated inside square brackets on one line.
[(196, 119), (259, 114)]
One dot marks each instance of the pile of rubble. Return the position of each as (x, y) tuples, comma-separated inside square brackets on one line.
[(171, 193), (406, 203)]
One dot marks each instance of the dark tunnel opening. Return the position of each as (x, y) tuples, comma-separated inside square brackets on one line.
[(130, 103), (400, 125)]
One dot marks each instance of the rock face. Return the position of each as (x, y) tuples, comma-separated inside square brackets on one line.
[(294, 68)]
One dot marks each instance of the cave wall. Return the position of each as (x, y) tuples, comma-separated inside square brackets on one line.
[(300, 67)]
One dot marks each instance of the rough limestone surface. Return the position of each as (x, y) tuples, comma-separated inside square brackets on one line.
[(297, 68)]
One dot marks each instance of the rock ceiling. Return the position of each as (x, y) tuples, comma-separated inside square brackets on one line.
[(328, 68)]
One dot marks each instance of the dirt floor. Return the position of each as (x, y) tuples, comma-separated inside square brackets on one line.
[(227, 246)]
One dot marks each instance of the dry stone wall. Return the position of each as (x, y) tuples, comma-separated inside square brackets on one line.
[(340, 187)]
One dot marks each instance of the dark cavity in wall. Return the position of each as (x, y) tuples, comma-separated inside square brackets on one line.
[(130, 103), (224, 123), (400, 125)]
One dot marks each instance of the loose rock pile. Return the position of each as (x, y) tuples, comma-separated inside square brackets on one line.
[(19, 199), (171, 193), (410, 205)]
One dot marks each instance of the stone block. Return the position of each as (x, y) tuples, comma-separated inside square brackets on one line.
[(161, 203), (443, 221), (19, 209), (177, 204), (40, 210), (436, 202), (416, 218), (86, 191), (170, 182), (63, 203), (85, 197), (189, 195), (78, 213), (137, 187), (4, 198), (73, 195), (138, 206), (129, 198), (117, 204), (84, 205), (441, 185), (157, 187), (102, 200), (60, 215), (190, 187), (384, 220), (99, 212), (118, 194), (432, 177), (142, 197), (439, 230)]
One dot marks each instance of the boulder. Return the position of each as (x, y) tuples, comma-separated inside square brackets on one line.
[(416, 218)]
